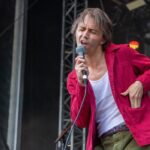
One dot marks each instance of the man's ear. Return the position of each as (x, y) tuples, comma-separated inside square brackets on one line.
[(103, 41)]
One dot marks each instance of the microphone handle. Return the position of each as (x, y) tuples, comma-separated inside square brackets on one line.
[(84, 76)]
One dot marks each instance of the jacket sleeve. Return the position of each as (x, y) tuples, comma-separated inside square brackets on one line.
[(141, 65), (77, 93)]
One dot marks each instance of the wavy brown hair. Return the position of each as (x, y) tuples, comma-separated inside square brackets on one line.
[(102, 20)]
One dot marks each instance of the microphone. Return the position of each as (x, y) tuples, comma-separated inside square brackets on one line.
[(80, 51)]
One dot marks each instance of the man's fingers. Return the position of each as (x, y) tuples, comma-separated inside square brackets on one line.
[(125, 93), (135, 103)]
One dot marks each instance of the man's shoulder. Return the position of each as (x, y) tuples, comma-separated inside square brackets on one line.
[(115, 47), (121, 46)]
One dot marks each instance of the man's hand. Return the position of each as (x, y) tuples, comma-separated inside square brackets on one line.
[(135, 93), (80, 65)]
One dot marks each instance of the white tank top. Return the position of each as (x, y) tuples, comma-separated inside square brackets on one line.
[(107, 112)]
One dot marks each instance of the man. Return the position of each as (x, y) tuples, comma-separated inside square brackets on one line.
[(116, 109)]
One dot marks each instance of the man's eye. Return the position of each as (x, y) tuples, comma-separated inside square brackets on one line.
[(94, 32), (81, 29)]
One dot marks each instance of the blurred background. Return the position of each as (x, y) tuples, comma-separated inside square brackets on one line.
[(36, 54)]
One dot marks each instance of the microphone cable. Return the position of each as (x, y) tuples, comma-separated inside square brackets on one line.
[(73, 124)]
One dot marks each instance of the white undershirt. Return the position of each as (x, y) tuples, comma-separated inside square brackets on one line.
[(107, 113)]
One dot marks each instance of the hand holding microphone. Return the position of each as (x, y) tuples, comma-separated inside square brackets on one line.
[(80, 65)]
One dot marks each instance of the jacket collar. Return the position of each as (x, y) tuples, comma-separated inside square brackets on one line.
[(111, 47)]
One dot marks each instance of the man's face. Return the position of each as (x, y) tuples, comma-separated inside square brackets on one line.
[(89, 34)]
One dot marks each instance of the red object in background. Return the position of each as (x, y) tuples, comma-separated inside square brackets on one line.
[(134, 44)]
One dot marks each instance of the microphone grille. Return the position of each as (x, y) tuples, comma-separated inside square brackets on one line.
[(80, 49)]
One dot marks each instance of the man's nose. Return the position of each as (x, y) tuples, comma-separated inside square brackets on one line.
[(85, 34)]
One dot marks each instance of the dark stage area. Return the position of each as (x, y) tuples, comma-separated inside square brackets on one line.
[(42, 61), (42, 73)]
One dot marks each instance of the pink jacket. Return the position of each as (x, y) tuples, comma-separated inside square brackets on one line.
[(125, 65)]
